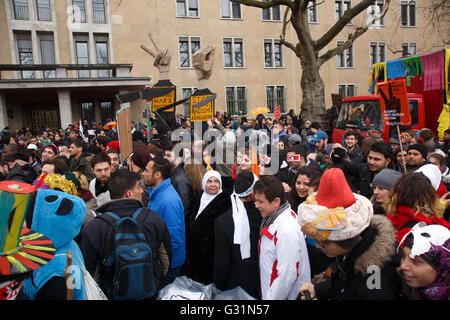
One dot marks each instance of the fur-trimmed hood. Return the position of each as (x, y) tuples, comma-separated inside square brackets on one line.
[(382, 249)]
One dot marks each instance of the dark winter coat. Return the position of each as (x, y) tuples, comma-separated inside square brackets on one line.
[(83, 165), (368, 272), (96, 246), (230, 270), (183, 186), (361, 176), (20, 173), (200, 238)]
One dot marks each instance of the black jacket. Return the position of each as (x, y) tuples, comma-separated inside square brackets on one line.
[(230, 270), (19, 173), (96, 246), (361, 177), (183, 186), (200, 238), (368, 272)]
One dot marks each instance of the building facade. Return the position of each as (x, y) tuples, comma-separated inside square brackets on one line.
[(66, 60)]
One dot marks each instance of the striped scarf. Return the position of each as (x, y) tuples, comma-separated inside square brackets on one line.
[(270, 219)]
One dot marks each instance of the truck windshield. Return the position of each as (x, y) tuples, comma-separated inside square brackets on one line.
[(365, 114)]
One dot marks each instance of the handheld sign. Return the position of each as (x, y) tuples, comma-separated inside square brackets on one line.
[(124, 131), (165, 100), (202, 105), (277, 113), (394, 102)]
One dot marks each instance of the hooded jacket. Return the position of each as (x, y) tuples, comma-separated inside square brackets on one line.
[(95, 243), (60, 216), (368, 271)]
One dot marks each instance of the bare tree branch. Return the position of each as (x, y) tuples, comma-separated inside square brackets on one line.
[(266, 4)]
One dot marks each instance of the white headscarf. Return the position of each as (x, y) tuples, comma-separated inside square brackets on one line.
[(433, 174), (241, 225), (206, 197)]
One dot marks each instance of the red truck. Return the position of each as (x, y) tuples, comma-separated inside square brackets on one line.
[(424, 106)]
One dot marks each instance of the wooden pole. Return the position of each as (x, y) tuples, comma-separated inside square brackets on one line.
[(68, 276), (401, 148)]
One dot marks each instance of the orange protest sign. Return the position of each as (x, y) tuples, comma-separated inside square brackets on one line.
[(161, 102), (394, 102)]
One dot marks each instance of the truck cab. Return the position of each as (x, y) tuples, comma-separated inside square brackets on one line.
[(365, 111)]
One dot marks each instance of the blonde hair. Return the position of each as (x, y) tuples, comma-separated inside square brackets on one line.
[(84, 184), (195, 173)]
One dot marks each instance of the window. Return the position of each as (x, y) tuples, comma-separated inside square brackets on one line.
[(340, 6), (47, 53), (409, 49), (345, 58), (273, 53), (376, 9), (79, 11), (187, 8), (106, 111), (43, 10), (276, 96), (233, 53), (236, 100), (273, 13), (186, 92), (408, 13), (377, 52), (187, 46), (98, 7), (312, 12), (347, 90), (230, 9), (82, 53), (101, 47), (25, 53), (21, 10), (87, 110)]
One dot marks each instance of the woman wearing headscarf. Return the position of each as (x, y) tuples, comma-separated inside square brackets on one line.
[(425, 265), (212, 203)]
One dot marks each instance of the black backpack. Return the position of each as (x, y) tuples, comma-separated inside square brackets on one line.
[(130, 261)]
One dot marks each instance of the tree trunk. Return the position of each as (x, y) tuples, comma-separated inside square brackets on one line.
[(313, 95)]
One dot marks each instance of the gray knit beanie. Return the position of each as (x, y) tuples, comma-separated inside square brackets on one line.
[(386, 178)]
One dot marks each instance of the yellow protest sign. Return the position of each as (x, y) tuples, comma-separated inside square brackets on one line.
[(163, 101), (204, 112)]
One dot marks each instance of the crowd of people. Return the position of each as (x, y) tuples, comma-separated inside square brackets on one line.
[(354, 220)]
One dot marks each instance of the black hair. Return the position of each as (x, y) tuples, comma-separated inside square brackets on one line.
[(162, 165), (121, 181), (348, 244), (243, 181), (382, 148), (102, 140), (79, 143), (99, 158), (111, 151), (271, 187)]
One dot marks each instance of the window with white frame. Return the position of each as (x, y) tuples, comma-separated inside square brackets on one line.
[(345, 57), (25, 52), (187, 8), (43, 10), (347, 90), (377, 52), (271, 14), (273, 53), (375, 10), (230, 9), (98, 10), (187, 46), (186, 92), (101, 49), (312, 12), (340, 6), (409, 49), (408, 14), (233, 52), (276, 96), (21, 10), (79, 11), (82, 54), (236, 99), (47, 46)]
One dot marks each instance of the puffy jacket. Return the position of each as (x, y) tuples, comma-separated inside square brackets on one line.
[(165, 200), (283, 258)]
